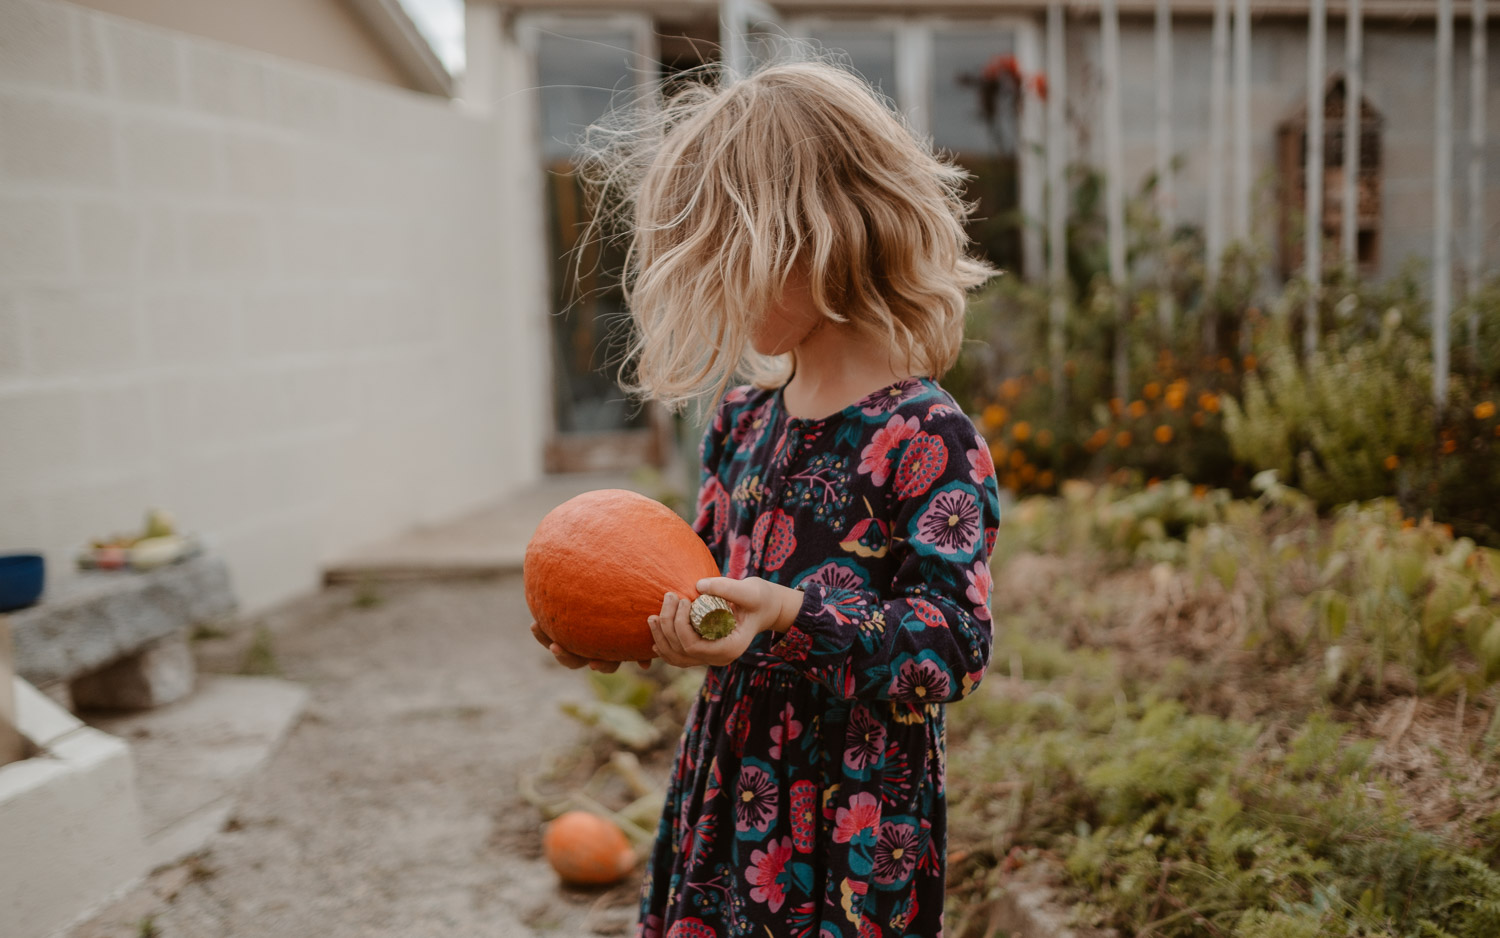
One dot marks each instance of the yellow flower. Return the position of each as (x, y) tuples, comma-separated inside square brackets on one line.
[(994, 415), (1010, 388), (1163, 434), (1152, 391), (1021, 431), (1484, 410), (1209, 402), (1137, 409), (1392, 463)]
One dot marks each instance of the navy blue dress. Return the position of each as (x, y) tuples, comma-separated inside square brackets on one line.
[(807, 798)]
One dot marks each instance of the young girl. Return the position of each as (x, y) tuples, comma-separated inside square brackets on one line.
[(787, 226)]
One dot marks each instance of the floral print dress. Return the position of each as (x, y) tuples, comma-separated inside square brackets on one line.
[(807, 799)]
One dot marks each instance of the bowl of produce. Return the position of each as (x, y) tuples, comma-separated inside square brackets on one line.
[(21, 580)]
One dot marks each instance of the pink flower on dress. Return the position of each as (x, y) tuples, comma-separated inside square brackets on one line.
[(920, 679), (785, 731), (750, 426), (691, 928), (980, 584), (865, 738), (928, 614), (895, 853), (739, 557), (888, 399), (767, 873), (755, 801), (774, 538), (713, 511), (875, 459), (851, 824), (925, 459), (804, 803), (950, 524), (981, 465)]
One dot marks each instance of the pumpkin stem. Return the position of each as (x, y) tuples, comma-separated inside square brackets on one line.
[(711, 617)]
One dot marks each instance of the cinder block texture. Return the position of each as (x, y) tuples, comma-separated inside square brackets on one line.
[(101, 617)]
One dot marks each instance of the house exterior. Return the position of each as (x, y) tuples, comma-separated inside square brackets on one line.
[(305, 292)]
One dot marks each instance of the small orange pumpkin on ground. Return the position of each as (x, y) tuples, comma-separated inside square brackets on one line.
[(587, 850), (599, 565)]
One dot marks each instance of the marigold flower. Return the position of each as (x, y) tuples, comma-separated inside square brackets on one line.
[(995, 415), (1028, 473), (1116, 405), (1021, 431), (1163, 434), (1199, 418), (1045, 479), (1251, 362), (1099, 438), (1017, 459), (1010, 388), (1392, 463), (1450, 446), (998, 451), (1209, 402), (1137, 409), (1484, 410), (1176, 398), (1153, 482), (1151, 391), (1122, 439), (1200, 491)]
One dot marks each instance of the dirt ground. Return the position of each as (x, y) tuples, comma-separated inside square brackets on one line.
[(391, 807)]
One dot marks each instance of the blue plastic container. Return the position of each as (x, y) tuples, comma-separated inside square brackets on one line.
[(21, 579)]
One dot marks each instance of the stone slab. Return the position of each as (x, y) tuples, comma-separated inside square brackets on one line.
[(98, 617), (194, 755), (159, 674), (485, 543)]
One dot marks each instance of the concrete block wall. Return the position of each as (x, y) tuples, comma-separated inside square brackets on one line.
[(295, 309), (1399, 82)]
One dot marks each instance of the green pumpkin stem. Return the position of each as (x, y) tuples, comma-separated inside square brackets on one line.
[(711, 617)]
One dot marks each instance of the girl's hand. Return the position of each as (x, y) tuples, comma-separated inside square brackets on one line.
[(571, 661), (759, 606)]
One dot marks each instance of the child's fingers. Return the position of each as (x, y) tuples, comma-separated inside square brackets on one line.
[(666, 641), (739, 592)]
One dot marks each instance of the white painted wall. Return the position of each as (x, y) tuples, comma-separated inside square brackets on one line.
[(298, 310)]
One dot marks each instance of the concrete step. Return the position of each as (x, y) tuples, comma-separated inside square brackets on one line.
[(192, 757), (486, 543)]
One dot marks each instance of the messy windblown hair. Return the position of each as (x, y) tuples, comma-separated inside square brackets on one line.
[(721, 189)]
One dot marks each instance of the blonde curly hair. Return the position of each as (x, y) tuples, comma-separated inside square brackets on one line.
[(722, 188)]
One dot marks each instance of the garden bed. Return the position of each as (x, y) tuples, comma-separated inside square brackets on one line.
[(1178, 747)]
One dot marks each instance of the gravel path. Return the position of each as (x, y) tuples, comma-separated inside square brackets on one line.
[(391, 807)]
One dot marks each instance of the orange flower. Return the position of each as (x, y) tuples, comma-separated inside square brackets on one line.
[(1153, 482), (1497, 429), (995, 415), (1447, 529), (1017, 459), (1392, 463), (1116, 405), (1163, 434), (1225, 365), (1045, 480), (1407, 524), (1176, 396), (1021, 431), (1097, 440), (1044, 438), (1200, 491), (1028, 473), (1122, 439), (1137, 409), (1209, 402), (1199, 418), (1484, 410), (1250, 362), (997, 452), (1010, 388), (1450, 446), (1152, 391)]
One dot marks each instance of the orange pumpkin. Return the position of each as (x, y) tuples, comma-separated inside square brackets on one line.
[(587, 850), (599, 565)]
